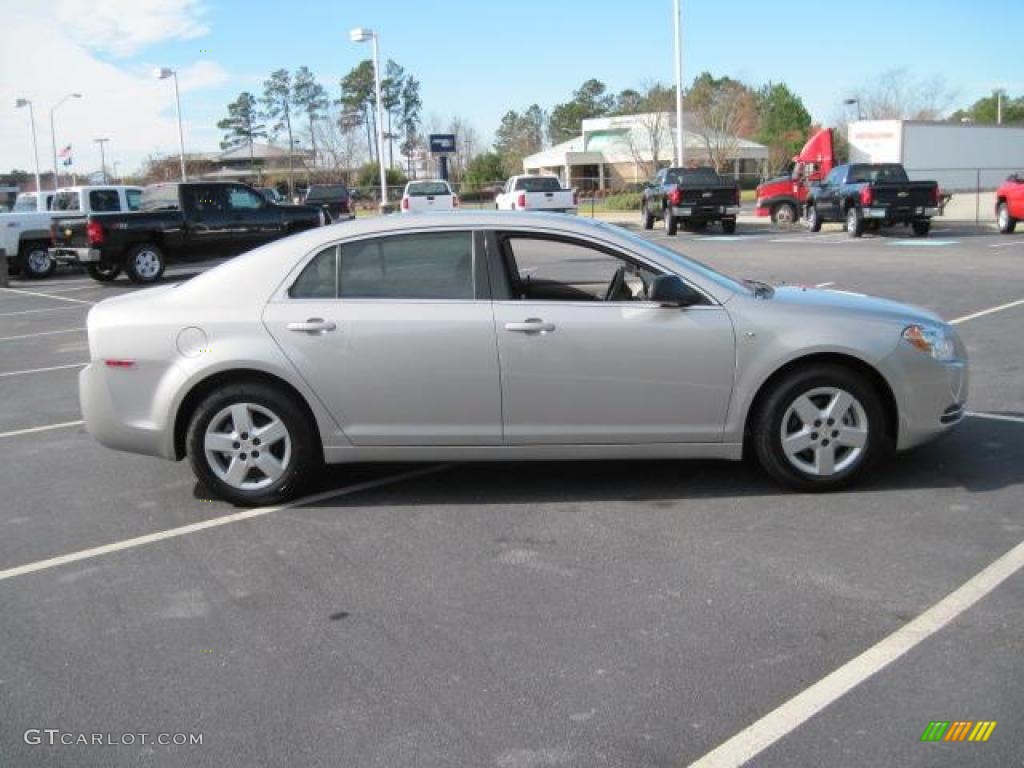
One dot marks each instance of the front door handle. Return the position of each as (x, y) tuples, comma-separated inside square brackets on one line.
[(314, 325), (530, 325)]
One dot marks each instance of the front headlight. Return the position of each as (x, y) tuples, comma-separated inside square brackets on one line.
[(936, 341)]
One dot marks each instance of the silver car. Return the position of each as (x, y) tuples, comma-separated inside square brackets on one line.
[(495, 336)]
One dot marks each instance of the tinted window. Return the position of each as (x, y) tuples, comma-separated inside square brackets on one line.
[(872, 173), (133, 198), (421, 266), (104, 200), (67, 201), (242, 199), (319, 280), (556, 270), (204, 200), (159, 198), (327, 192), (424, 188), (538, 184)]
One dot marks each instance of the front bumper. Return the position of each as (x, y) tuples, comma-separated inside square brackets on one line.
[(67, 254), (931, 395)]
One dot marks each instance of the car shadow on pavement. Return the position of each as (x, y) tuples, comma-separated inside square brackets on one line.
[(980, 456)]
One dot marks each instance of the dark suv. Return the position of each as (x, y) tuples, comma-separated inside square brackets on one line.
[(333, 198)]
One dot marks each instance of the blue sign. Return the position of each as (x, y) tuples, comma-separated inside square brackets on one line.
[(442, 143)]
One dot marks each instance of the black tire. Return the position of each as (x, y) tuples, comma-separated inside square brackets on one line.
[(302, 460), (728, 226), (813, 220), (647, 216), (104, 272), (784, 214), (1006, 222), (671, 223), (34, 260), (144, 263), (921, 228), (766, 433), (854, 222)]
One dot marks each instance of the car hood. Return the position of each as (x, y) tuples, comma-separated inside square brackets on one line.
[(828, 299)]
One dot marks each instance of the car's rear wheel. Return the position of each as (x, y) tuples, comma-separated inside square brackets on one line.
[(647, 216), (813, 221), (921, 228), (671, 222), (251, 444), (854, 222), (36, 262), (103, 271), (1006, 222), (784, 214), (144, 263), (819, 428)]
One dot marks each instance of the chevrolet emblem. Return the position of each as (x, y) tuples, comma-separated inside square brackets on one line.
[(706, 194), (902, 194)]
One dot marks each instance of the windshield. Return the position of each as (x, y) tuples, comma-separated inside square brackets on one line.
[(25, 203), (873, 173), (328, 192), (726, 282), (423, 188), (538, 184)]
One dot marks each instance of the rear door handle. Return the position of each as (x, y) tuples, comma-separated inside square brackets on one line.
[(530, 325), (314, 325)]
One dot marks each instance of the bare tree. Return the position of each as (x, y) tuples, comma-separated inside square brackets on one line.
[(340, 143), (720, 113), (897, 95), (652, 133)]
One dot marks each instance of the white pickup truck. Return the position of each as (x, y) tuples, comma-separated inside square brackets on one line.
[(536, 193), (25, 231)]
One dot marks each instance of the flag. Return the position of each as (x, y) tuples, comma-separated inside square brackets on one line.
[(67, 163), (66, 152)]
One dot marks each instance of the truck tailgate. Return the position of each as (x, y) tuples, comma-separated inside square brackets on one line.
[(540, 201), (907, 194), (707, 198), (70, 233)]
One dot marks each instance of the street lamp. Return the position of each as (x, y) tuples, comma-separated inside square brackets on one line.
[(361, 35), (116, 177), (162, 73), (35, 149), (850, 103), (53, 134), (679, 87), (103, 158)]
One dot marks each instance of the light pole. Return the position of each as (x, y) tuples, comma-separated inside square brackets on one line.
[(679, 86), (35, 149), (116, 177), (163, 73), (103, 158), (361, 35), (850, 103), (53, 134)]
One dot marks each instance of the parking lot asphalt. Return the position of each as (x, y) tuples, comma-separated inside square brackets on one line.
[(519, 615)]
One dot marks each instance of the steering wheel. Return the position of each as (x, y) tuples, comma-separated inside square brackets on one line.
[(617, 284)]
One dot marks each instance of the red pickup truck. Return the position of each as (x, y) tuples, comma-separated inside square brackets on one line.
[(783, 197), (1010, 203)]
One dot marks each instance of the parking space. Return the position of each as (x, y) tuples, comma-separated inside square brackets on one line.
[(519, 615)]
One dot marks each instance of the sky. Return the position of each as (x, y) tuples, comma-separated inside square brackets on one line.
[(474, 58)]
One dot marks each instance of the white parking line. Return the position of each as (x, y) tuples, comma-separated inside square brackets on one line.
[(781, 721), (996, 417), (42, 370), (40, 333), (46, 295), (34, 311), (1007, 245), (184, 530), (47, 428), (989, 311)]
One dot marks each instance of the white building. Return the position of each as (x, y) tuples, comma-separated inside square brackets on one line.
[(612, 151)]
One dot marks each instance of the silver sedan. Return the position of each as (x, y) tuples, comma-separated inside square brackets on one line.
[(496, 336)]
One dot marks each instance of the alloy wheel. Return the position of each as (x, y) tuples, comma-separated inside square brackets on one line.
[(247, 446), (824, 431)]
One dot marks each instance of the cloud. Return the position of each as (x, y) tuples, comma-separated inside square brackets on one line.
[(123, 27), (122, 103)]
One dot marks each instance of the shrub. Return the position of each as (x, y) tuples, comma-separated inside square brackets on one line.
[(624, 201)]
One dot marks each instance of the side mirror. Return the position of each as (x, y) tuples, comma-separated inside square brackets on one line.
[(671, 291)]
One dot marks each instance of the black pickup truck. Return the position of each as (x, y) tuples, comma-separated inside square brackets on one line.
[(691, 196), (872, 195), (196, 219)]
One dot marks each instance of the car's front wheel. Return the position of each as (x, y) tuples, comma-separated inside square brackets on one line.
[(813, 222), (1006, 222), (251, 444), (819, 428), (784, 214), (145, 263), (647, 217)]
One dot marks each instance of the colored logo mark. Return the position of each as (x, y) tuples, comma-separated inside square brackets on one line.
[(958, 730)]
